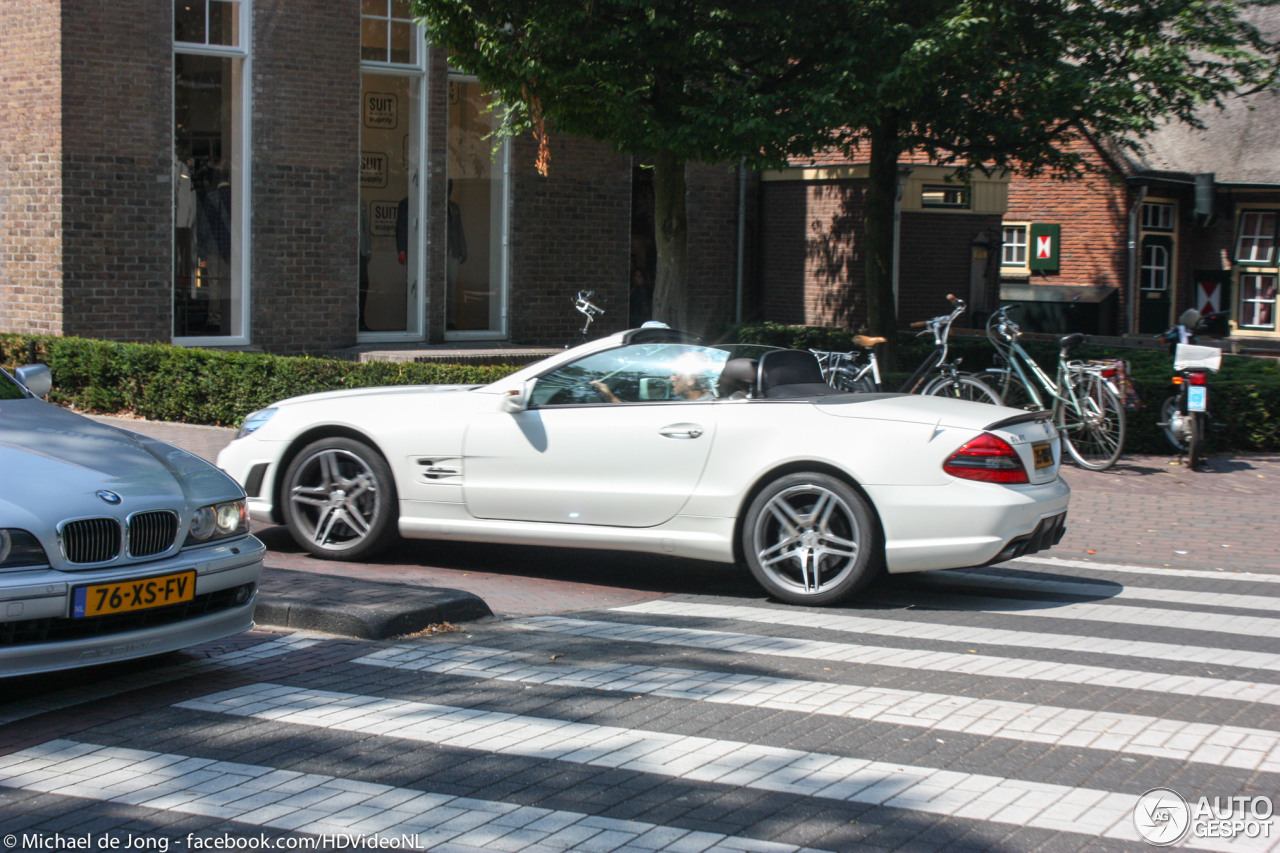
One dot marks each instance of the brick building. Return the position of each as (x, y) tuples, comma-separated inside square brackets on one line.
[(298, 177)]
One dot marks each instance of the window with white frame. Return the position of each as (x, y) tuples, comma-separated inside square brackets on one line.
[(1257, 242), (1157, 217), (1257, 301), (1014, 253), (210, 170), (388, 33), (1155, 267)]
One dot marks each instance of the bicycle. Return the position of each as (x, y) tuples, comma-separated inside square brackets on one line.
[(588, 309), (1087, 408), (843, 370)]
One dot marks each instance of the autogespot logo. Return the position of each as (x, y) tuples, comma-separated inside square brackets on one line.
[(1162, 817)]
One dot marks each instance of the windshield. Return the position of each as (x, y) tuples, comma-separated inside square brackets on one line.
[(9, 388), (641, 373)]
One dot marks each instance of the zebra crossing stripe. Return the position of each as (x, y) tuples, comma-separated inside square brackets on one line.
[(1225, 746), (327, 805), (87, 692), (1248, 626), (1251, 577), (969, 664), (964, 795), (989, 579), (958, 634)]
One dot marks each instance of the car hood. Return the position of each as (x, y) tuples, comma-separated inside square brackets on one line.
[(42, 445), (380, 391)]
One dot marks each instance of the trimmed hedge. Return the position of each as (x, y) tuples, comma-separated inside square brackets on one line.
[(167, 383), (1244, 396)]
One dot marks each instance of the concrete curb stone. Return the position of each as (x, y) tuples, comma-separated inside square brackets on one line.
[(357, 608)]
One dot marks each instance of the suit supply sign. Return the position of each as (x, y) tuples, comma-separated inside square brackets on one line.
[(381, 110), (382, 218), (373, 169)]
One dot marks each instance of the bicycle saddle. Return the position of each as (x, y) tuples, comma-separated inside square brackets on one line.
[(1070, 342), (866, 342)]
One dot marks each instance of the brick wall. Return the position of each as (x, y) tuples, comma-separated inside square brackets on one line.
[(30, 166), (306, 180), (812, 262), (712, 200), (117, 105), (570, 231)]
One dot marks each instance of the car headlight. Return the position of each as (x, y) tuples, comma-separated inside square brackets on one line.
[(19, 549), (217, 521), (254, 421)]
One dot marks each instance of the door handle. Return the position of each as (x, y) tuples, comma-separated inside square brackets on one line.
[(682, 431)]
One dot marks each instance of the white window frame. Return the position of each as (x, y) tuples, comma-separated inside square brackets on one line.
[(1256, 302), (1162, 269), (417, 41), (1157, 216), (417, 330), (240, 188), (1015, 266), (503, 162), (1256, 235)]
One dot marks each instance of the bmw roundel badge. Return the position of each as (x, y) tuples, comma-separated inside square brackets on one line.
[(110, 497)]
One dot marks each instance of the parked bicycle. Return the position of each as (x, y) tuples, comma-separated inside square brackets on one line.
[(1184, 415), (859, 371), (1086, 405), (588, 309)]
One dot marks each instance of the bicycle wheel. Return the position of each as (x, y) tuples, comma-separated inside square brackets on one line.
[(1195, 440), (1093, 435), (1011, 390), (963, 387), (848, 380)]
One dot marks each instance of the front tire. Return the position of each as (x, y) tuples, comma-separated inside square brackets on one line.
[(809, 538), (340, 500), (963, 387), (1011, 390)]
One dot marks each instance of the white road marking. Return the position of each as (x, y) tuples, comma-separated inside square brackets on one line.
[(327, 805), (1251, 577), (1225, 746), (958, 634), (991, 798)]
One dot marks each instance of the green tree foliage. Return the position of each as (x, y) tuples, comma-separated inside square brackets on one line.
[(976, 83)]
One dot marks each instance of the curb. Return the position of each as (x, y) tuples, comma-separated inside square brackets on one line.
[(365, 610)]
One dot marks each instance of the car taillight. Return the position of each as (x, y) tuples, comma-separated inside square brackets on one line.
[(988, 458), (1197, 379)]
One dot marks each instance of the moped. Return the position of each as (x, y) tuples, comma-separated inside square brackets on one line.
[(1184, 415)]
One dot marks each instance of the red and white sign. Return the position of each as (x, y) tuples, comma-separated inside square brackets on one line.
[(1209, 296), (1044, 247)]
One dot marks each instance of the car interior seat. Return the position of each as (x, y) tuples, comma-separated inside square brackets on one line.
[(792, 373), (738, 378)]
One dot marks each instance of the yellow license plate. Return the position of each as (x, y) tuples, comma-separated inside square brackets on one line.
[(123, 596), (1043, 454)]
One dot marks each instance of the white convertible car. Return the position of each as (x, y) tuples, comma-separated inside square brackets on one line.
[(650, 441)]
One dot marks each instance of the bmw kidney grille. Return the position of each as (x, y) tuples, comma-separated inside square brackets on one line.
[(98, 540)]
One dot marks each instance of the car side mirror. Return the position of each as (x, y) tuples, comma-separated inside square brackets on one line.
[(36, 378), (513, 402)]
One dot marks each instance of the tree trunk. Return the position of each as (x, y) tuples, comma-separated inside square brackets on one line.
[(671, 231), (882, 193)]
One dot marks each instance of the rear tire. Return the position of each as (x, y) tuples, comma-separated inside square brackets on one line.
[(1168, 415), (1195, 440), (809, 538), (1094, 436)]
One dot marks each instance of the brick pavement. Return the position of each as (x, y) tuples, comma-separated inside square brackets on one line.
[(1147, 510)]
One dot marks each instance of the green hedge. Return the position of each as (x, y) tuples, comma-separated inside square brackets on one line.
[(1244, 397), (167, 383)]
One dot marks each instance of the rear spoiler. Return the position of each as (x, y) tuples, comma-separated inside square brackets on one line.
[(1024, 418)]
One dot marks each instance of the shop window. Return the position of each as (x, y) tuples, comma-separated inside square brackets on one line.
[(1257, 301), (1014, 253), (209, 188), (1155, 267), (388, 33), (946, 197), (1157, 217), (476, 222), (1257, 242)]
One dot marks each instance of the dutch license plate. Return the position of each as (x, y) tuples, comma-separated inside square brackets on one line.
[(1197, 398), (1043, 454), (122, 596)]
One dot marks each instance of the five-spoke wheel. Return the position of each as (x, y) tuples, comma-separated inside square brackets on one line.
[(811, 539), (340, 500)]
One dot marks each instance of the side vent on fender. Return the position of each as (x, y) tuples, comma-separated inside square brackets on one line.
[(439, 469)]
